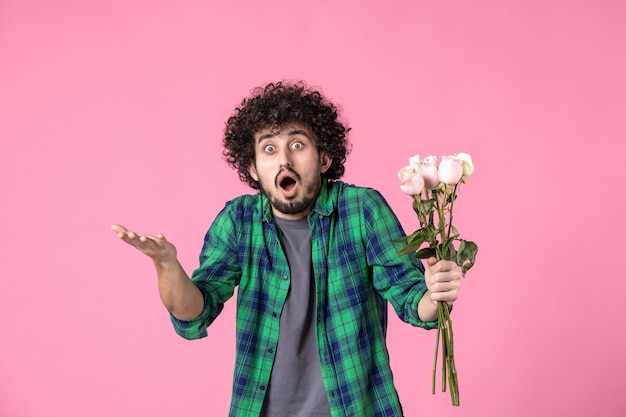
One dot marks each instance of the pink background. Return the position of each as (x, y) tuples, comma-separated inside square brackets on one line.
[(112, 111)]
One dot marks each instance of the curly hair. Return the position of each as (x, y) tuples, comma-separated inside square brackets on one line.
[(275, 105)]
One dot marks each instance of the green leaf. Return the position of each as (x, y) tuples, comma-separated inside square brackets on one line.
[(451, 253), (400, 239), (425, 253), (461, 246), (419, 235), (448, 251), (409, 249), (466, 256), (409, 238), (426, 206)]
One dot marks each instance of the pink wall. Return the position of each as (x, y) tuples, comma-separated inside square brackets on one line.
[(111, 111)]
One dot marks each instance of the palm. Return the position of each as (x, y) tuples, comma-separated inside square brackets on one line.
[(156, 247)]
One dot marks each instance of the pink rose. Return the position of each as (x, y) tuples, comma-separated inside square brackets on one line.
[(430, 174), (406, 172), (450, 170), (468, 164), (412, 182), (431, 159), (415, 161)]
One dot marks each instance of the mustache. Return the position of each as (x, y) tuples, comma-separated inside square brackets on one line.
[(286, 169)]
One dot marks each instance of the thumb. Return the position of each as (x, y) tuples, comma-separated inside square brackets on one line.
[(431, 261)]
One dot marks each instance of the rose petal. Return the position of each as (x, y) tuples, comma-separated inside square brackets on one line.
[(430, 174), (450, 171), (413, 186), (468, 164), (406, 172)]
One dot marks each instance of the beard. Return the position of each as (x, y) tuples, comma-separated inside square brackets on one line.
[(292, 207)]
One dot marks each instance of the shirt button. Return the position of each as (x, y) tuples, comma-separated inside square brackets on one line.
[(274, 314), (270, 350), (262, 387), (285, 277)]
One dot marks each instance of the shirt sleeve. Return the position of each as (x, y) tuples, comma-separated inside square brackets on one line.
[(398, 278), (217, 276)]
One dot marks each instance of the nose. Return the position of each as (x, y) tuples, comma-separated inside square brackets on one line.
[(284, 157)]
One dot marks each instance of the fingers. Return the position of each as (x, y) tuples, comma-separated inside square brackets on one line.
[(119, 230), (443, 280), (142, 237), (156, 247), (441, 266), (448, 296), (443, 289), (139, 240), (440, 286)]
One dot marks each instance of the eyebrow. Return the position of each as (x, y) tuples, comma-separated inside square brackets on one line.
[(293, 132)]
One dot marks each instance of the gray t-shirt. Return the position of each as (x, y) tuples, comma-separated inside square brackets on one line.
[(296, 388)]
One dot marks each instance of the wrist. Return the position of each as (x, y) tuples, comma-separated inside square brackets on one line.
[(427, 308), (166, 264)]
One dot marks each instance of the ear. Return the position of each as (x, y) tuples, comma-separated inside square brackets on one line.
[(325, 162), (252, 171)]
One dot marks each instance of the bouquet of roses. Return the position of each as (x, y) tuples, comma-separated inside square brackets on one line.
[(434, 187)]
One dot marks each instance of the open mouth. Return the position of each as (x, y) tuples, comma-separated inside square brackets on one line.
[(287, 184), (287, 181)]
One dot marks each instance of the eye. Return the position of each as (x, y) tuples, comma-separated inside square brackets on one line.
[(297, 145), (269, 149)]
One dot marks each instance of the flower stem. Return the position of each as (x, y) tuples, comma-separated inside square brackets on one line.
[(445, 351), (435, 362), (448, 368), (451, 210)]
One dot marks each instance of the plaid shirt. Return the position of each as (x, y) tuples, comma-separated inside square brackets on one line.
[(356, 270)]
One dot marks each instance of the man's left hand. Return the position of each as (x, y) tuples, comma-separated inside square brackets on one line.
[(443, 279)]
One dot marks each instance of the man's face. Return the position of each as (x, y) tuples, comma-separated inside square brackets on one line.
[(288, 168)]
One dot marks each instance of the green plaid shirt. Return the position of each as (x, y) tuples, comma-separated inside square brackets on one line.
[(356, 270)]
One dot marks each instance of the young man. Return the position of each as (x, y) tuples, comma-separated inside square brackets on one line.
[(314, 264)]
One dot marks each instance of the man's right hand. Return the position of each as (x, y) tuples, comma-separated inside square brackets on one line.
[(178, 293), (156, 247)]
